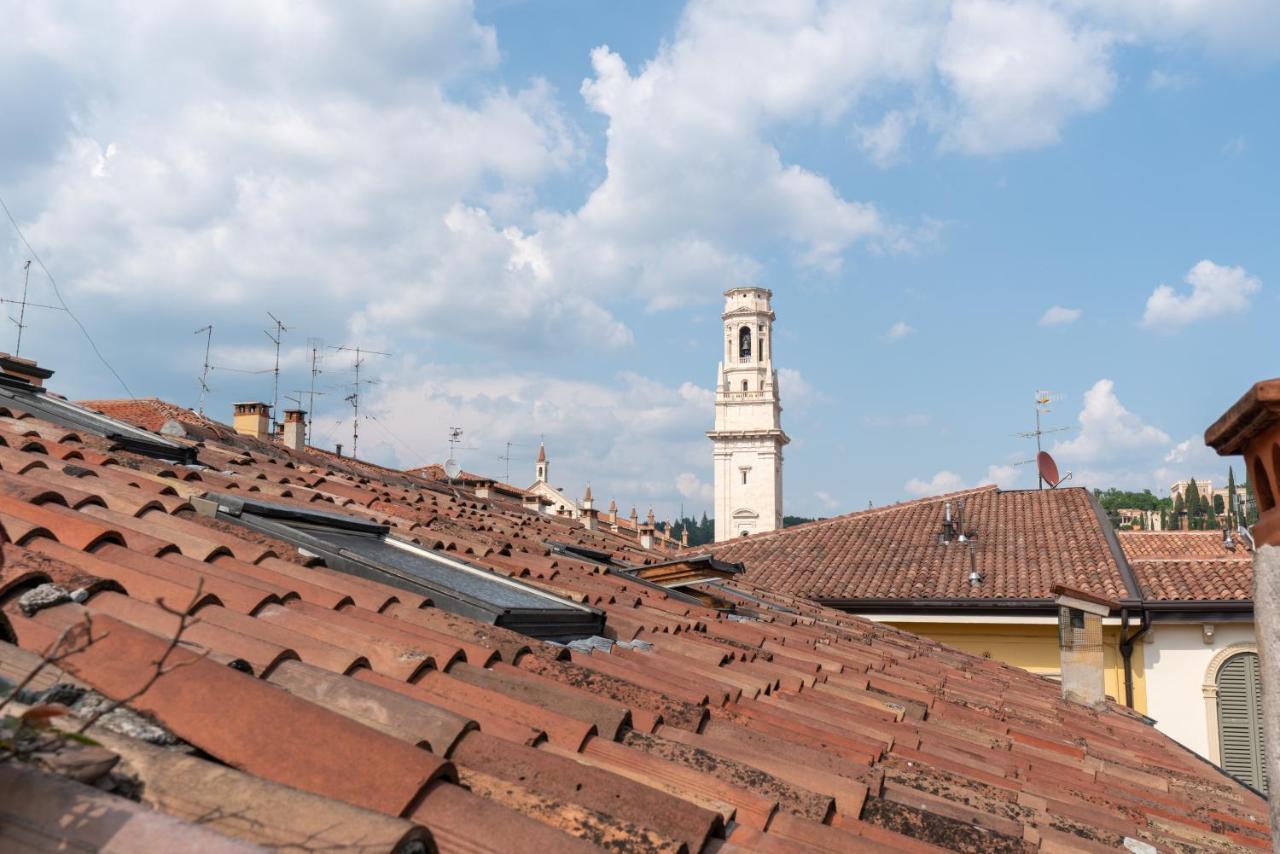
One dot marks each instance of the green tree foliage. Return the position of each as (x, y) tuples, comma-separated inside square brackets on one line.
[(1115, 500), (788, 521), (1231, 497), (1179, 509), (1195, 507)]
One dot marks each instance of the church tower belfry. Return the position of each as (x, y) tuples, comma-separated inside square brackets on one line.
[(747, 438)]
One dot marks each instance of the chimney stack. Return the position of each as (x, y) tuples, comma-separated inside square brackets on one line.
[(1252, 427), (252, 419), (295, 429), (1080, 645), (24, 369)]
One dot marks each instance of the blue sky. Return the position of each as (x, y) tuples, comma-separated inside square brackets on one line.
[(535, 207)]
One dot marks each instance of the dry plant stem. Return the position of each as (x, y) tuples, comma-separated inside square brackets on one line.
[(53, 655)]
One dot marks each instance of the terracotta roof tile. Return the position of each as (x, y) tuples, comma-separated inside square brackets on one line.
[(811, 729), (1027, 541)]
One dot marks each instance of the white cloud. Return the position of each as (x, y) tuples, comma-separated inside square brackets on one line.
[(883, 141), (827, 501), (1235, 146), (795, 390), (1003, 476), (632, 438), (943, 481), (690, 485), (1108, 430), (1019, 71), (1059, 316), (899, 331), (1215, 291), (1168, 81)]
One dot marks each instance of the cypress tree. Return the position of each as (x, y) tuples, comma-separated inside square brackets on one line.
[(1179, 506), (1231, 497), (1195, 508)]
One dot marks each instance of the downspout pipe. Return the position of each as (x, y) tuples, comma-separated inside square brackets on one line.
[(1126, 649)]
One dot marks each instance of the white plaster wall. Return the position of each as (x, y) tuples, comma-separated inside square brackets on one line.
[(1177, 661)]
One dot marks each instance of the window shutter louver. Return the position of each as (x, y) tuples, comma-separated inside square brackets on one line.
[(1240, 720)]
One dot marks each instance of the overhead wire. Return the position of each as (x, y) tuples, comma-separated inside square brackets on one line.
[(413, 454), (58, 293)]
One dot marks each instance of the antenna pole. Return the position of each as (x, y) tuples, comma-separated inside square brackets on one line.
[(275, 380), (354, 397), (204, 373), (311, 400), (22, 308)]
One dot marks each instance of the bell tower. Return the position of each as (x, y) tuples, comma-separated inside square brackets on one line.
[(747, 438)]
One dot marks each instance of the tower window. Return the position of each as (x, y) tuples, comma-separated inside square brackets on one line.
[(744, 343), (744, 476), (744, 385)]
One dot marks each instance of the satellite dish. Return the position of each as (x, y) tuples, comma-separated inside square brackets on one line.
[(1049, 470), (452, 469)]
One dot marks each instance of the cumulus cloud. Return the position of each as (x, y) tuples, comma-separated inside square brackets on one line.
[(690, 485), (943, 481), (883, 141), (1215, 291), (1059, 316), (632, 438), (899, 331), (1108, 429)]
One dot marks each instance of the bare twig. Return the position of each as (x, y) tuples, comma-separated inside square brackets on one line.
[(56, 653), (161, 665)]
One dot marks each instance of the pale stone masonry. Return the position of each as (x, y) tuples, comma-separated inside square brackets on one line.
[(748, 435)]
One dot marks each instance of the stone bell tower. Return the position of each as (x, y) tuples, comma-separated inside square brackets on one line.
[(748, 436)]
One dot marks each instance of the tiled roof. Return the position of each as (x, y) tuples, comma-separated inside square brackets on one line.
[(335, 712), (1180, 545), (1182, 566), (1027, 542), (1195, 580), (152, 413)]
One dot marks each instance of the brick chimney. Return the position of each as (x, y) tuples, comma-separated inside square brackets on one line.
[(252, 419), (23, 369), (295, 429), (1251, 427), (1080, 645)]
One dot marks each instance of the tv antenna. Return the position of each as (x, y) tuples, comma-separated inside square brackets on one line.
[(354, 397), (1043, 399), (204, 372), (506, 458), (275, 379), (317, 355), (21, 321), (451, 467)]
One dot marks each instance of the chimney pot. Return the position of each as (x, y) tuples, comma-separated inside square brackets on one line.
[(1080, 645), (294, 429), (252, 419)]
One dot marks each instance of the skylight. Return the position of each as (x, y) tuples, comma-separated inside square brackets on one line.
[(36, 401), (370, 550)]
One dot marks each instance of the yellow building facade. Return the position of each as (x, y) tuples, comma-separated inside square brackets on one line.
[(1032, 646)]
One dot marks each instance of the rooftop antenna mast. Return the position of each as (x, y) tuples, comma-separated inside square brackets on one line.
[(506, 458), (21, 320), (354, 397), (204, 373), (22, 307), (275, 380), (1043, 399), (317, 354)]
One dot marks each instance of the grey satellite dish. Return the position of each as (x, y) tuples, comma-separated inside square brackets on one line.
[(452, 469)]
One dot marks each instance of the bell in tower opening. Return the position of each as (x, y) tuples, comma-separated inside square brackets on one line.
[(744, 344)]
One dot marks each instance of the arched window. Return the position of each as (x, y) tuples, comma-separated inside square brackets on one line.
[(744, 343), (1240, 720), (744, 385)]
